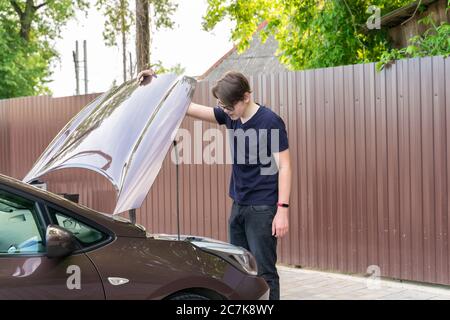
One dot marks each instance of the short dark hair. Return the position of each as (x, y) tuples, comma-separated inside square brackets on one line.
[(231, 88)]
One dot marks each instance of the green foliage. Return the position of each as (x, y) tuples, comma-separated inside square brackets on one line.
[(23, 66), (435, 41), (310, 33), (160, 69), (162, 12), (119, 18), (27, 34)]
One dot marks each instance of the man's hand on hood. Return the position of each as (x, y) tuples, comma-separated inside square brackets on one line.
[(145, 76)]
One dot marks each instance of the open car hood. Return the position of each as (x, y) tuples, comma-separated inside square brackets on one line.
[(124, 135)]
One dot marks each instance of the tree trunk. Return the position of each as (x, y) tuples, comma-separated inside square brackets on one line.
[(142, 35), (25, 17), (124, 40)]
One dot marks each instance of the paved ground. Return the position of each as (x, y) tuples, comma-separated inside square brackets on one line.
[(302, 284)]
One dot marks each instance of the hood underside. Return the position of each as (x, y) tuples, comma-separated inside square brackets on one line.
[(123, 135)]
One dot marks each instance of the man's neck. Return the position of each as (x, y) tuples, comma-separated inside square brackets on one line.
[(249, 112)]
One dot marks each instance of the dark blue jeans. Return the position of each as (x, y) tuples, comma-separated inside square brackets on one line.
[(250, 227)]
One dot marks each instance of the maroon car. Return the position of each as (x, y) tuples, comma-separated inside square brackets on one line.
[(52, 248)]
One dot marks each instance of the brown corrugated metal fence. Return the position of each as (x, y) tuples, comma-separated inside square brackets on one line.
[(370, 174)]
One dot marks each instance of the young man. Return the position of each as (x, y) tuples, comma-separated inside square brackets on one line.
[(259, 187)]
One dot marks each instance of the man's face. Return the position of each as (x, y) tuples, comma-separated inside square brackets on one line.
[(237, 110)]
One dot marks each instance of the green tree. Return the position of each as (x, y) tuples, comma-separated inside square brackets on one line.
[(310, 33), (119, 20), (148, 13), (28, 29), (434, 41), (23, 66), (159, 68)]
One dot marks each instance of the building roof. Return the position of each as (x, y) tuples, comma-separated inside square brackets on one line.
[(258, 58), (399, 15)]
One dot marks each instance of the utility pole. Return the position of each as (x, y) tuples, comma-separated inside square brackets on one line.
[(131, 66), (85, 68), (76, 61), (77, 68)]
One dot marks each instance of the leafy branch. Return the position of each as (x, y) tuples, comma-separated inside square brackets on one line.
[(435, 41)]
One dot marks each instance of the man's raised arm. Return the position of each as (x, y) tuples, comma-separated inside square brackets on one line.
[(201, 112), (195, 110)]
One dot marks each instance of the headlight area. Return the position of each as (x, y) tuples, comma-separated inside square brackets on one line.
[(237, 256)]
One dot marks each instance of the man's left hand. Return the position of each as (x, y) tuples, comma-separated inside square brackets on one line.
[(280, 224)]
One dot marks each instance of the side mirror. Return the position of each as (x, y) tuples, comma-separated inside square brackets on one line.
[(60, 242)]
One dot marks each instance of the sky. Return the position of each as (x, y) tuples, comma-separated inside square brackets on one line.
[(187, 44)]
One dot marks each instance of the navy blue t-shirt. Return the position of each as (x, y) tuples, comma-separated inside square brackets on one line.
[(254, 178)]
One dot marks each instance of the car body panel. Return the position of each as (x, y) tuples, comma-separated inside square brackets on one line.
[(123, 135), (39, 277), (162, 267)]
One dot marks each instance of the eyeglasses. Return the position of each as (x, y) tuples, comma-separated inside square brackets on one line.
[(224, 106)]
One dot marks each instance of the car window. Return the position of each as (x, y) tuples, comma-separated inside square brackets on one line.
[(19, 231), (84, 233)]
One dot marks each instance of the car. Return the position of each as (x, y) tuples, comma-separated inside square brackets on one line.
[(53, 248)]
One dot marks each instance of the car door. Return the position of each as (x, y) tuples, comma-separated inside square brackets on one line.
[(25, 270)]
